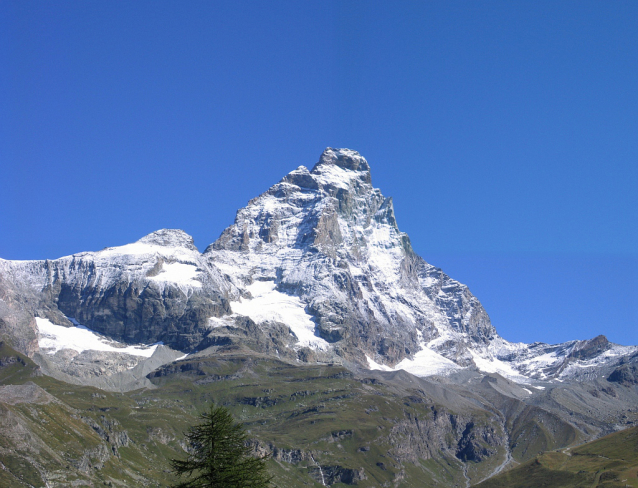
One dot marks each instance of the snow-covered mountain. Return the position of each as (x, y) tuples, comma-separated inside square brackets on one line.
[(330, 239), (314, 269)]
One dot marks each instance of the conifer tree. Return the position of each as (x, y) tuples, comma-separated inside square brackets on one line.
[(218, 455)]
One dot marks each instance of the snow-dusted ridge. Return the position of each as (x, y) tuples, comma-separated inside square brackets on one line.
[(164, 256)]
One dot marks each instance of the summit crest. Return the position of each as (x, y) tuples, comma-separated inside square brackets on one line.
[(344, 158)]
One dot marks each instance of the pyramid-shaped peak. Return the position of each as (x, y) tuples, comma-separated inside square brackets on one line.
[(344, 158), (169, 238), (336, 169)]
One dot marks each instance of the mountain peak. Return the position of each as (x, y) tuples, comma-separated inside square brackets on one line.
[(343, 158), (169, 238)]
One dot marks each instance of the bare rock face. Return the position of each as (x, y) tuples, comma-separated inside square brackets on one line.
[(591, 348), (27, 393), (17, 308), (415, 438), (142, 312), (20, 329), (626, 375), (330, 475)]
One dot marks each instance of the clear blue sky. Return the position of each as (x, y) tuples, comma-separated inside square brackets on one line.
[(507, 133)]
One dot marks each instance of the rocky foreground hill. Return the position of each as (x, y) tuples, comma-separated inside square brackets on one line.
[(352, 359)]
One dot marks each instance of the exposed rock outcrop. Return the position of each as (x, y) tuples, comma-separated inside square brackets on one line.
[(626, 375)]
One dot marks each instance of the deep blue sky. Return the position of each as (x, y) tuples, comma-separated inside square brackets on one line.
[(507, 133)]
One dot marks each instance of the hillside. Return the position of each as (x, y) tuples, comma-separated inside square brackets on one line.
[(609, 462)]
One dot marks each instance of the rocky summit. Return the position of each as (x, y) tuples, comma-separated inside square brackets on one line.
[(315, 273), (330, 239)]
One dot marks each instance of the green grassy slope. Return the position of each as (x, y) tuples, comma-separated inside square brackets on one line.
[(317, 421), (609, 462), (320, 423)]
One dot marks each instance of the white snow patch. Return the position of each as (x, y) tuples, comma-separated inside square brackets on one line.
[(426, 362), (385, 252), (528, 391), (269, 304), (53, 338), (333, 175), (541, 361), (179, 273), (372, 364), (497, 366), (135, 248), (225, 321), (145, 249)]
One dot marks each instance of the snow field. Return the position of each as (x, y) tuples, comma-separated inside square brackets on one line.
[(268, 304), (497, 366), (179, 273), (53, 338), (426, 362)]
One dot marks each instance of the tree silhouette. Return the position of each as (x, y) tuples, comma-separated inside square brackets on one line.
[(218, 456)]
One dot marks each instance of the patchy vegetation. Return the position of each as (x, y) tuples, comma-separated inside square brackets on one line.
[(609, 462)]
